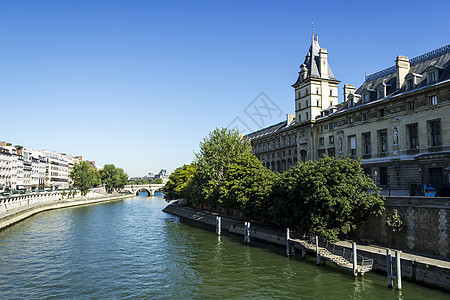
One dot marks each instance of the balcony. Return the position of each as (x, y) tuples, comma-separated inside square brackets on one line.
[(435, 149), (412, 151)]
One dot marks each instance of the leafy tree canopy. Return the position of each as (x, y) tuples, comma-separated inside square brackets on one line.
[(113, 177), (85, 176), (330, 196), (178, 182), (218, 152), (247, 185)]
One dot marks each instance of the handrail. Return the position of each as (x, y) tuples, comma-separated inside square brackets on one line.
[(363, 262)]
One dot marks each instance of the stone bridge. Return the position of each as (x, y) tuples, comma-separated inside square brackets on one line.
[(150, 188)]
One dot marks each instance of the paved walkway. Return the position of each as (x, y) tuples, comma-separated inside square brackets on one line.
[(441, 262)]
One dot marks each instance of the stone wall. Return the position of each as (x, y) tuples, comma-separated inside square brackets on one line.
[(425, 226)]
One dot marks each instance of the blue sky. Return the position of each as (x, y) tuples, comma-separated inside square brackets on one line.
[(140, 83)]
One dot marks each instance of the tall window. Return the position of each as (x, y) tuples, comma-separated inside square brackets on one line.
[(321, 141), (331, 152), (352, 145), (366, 143), (383, 176), (331, 140), (382, 142), (435, 131), (433, 100), (413, 136)]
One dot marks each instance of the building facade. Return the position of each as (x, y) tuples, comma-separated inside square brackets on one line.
[(396, 121)]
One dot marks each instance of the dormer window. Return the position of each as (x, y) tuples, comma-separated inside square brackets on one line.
[(380, 92), (412, 79), (431, 77), (433, 73), (409, 84), (366, 97)]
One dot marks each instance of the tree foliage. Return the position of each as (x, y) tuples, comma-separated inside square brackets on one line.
[(113, 177), (157, 181), (246, 186), (179, 180), (218, 153), (84, 176), (330, 196)]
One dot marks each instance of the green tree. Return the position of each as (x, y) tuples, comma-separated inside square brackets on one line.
[(113, 177), (218, 152), (158, 181), (247, 186), (329, 197), (178, 183), (84, 176)]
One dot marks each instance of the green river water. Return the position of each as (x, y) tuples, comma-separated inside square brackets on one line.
[(130, 249)]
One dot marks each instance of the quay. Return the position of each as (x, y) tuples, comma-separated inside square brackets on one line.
[(427, 271), (17, 208)]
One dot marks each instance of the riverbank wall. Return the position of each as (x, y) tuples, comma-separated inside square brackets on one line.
[(23, 207), (424, 270)]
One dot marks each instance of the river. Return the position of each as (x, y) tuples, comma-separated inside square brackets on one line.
[(130, 249)]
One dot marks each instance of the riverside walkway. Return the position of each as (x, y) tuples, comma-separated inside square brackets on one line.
[(18, 207)]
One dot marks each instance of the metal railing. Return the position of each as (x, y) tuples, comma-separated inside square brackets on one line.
[(363, 262)]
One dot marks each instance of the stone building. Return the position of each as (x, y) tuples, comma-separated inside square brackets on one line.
[(395, 121), (276, 145)]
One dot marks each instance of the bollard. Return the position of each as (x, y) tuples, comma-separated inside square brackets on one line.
[(247, 232), (389, 267), (317, 251), (399, 271), (288, 248), (218, 225), (355, 259)]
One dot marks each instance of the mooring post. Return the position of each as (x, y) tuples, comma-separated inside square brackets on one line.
[(288, 248), (317, 251), (247, 232), (399, 270), (218, 225), (389, 267), (355, 259)]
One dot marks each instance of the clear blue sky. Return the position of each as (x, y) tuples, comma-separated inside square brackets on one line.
[(140, 83)]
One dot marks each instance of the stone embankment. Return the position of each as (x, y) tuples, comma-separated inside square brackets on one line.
[(416, 268), (20, 207)]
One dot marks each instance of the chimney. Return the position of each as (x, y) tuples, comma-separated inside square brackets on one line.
[(323, 56), (289, 119), (402, 66), (348, 90)]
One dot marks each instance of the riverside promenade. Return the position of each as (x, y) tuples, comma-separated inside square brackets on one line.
[(19, 207), (424, 270)]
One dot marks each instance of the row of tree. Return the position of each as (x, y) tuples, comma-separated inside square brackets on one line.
[(330, 196), (145, 181), (85, 176)]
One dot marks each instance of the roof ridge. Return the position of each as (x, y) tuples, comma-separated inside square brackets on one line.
[(413, 61)]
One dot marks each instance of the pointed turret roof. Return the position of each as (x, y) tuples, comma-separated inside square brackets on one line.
[(312, 61)]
